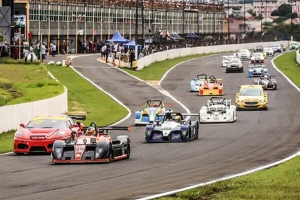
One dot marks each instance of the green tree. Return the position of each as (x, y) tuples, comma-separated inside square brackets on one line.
[(275, 13), (284, 10)]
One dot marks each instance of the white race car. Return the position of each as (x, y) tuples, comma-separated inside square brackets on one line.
[(226, 59), (218, 109), (257, 58), (244, 54), (269, 51)]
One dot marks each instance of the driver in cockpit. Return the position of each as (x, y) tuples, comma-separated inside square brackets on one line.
[(90, 131), (177, 119), (155, 104)]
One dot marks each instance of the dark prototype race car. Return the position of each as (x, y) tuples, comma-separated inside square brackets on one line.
[(93, 146), (173, 128)]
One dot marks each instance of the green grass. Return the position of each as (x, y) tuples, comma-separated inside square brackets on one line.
[(7, 141), (288, 65), (155, 71), (85, 98), (277, 183), (26, 83), (281, 182)]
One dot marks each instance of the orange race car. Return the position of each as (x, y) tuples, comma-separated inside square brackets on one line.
[(211, 86), (93, 146)]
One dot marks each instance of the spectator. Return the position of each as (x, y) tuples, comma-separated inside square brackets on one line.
[(53, 49), (43, 51)]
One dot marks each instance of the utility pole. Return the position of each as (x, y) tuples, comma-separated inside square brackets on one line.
[(143, 24), (183, 6), (136, 20), (228, 23), (244, 16), (291, 21)]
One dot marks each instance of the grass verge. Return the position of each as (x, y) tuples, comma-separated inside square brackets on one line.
[(280, 182), (288, 65), (155, 71), (7, 141), (26, 83), (84, 98)]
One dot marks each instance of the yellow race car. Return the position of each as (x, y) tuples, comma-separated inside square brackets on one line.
[(251, 97)]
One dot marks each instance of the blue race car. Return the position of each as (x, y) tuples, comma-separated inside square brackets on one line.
[(152, 111), (257, 70), (173, 128), (196, 82)]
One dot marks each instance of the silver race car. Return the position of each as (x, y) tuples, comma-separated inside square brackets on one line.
[(218, 110), (267, 82)]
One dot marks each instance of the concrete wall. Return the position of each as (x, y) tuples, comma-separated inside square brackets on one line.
[(13, 115), (164, 55), (298, 57)]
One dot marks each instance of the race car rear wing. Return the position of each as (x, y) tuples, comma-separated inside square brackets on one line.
[(116, 128), (183, 114), (107, 128), (78, 117)]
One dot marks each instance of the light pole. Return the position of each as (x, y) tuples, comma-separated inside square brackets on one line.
[(228, 24), (136, 20), (244, 16), (143, 23)]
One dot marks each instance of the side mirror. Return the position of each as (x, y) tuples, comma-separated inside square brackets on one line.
[(22, 125)]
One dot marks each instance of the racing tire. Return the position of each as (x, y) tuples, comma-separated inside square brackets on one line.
[(110, 156), (128, 152)]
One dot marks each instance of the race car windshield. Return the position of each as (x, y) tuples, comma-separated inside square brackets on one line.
[(251, 92), (243, 51), (235, 62), (47, 123)]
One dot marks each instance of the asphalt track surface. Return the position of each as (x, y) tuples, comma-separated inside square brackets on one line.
[(257, 138)]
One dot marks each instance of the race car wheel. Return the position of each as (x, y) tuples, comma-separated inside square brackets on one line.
[(128, 152), (275, 88), (110, 155)]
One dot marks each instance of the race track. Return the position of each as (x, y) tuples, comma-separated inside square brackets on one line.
[(257, 138)]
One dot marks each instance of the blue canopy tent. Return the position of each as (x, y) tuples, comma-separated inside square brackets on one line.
[(192, 36), (117, 38), (131, 45)]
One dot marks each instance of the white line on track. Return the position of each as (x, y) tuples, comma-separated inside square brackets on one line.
[(110, 95), (234, 175)]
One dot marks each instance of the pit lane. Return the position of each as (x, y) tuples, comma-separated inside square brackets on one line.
[(257, 138)]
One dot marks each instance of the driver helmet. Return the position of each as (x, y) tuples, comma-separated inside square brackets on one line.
[(155, 104), (177, 119), (90, 131)]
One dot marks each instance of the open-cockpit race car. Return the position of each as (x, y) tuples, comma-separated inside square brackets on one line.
[(93, 146), (267, 82), (151, 112), (257, 70), (196, 82), (211, 86), (226, 60), (218, 109), (173, 128)]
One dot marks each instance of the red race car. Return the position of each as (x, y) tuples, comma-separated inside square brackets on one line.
[(211, 86), (94, 145), (41, 132)]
